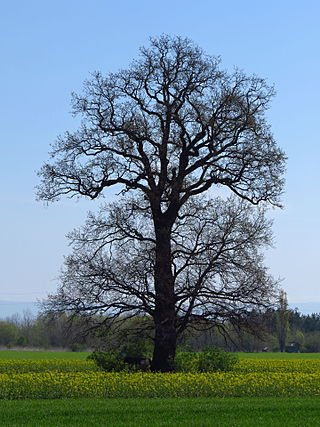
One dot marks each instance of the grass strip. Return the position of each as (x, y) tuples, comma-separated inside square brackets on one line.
[(42, 355), (162, 412), (49, 365)]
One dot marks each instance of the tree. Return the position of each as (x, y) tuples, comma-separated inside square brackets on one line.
[(8, 333), (166, 131), (282, 320)]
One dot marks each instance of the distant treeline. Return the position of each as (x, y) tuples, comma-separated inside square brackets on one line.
[(273, 331)]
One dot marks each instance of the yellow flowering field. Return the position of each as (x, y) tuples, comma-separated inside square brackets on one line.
[(243, 365), (47, 385), (44, 379), (278, 365)]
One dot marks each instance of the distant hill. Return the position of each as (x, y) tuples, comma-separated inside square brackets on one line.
[(9, 308)]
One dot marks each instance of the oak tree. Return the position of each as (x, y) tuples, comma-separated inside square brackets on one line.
[(168, 131)]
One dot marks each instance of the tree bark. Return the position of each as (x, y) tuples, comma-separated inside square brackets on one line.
[(164, 317)]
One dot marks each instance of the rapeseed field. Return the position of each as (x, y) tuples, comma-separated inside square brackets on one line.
[(48, 379)]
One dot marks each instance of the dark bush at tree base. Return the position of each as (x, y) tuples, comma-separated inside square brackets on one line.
[(109, 361), (116, 361)]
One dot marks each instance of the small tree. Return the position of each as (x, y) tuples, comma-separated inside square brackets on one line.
[(282, 316), (8, 333), (166, 130)]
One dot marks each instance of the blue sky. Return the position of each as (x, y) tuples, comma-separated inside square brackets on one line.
[(48, 48)]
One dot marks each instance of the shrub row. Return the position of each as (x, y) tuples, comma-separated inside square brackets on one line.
[(210, 360)]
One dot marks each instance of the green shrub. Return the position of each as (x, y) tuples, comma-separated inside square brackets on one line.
[(210, 360), (186, 361), (214, 359), (111, 361)]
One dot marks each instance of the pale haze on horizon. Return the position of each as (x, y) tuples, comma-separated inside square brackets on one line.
[(49, 48)]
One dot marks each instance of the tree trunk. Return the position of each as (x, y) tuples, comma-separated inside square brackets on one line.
[(165, 339), (164, 317)]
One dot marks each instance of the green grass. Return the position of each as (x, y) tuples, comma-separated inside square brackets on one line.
[(280, 356), (162, 412), (82, 355), (42, 355)]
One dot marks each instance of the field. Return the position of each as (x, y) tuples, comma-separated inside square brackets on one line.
[(280, 356), (82, 355), (162, 412), (43, 355), (54, 388)]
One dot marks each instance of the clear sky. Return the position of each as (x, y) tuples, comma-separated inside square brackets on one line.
[(48, 48)]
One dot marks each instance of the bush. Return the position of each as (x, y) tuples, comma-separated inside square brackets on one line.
[(214, 359), (111, 361), (186, 361), (116, 361), (210, 360)]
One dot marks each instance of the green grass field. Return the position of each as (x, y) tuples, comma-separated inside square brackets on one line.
[(162, 412), (42, 355), (82, 355), (279, 356)]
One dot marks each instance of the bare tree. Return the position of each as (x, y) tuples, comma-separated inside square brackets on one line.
[(168, 129)]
